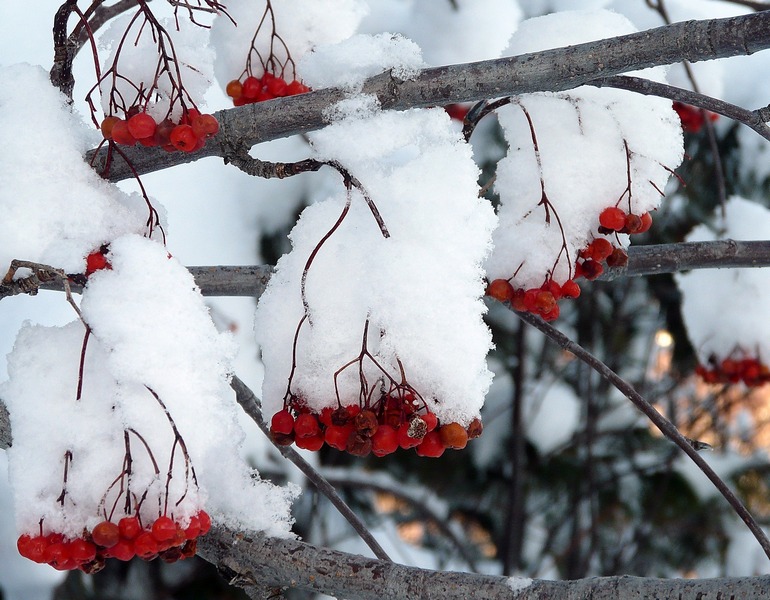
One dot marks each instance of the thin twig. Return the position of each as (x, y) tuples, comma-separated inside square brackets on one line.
[(666, 427), (251, 407)]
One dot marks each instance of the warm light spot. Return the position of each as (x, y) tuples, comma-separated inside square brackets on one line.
[(664, 339)]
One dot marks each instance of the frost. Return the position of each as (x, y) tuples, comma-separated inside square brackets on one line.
[(62, 210), (421, 178), (573, 154), (349, 63)]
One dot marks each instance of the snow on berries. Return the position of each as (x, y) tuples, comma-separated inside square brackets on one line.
[(148, 86), (258, 43), (72, 211), (126, 424), (371, 327), (731, 344), (585, 170)]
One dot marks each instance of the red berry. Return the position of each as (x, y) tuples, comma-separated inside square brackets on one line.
[(544, 301), (312, 443), (120, 133), (123, 550), (163, 529), (337, 436), (431, 421), (107, 124), (453, 435), (366, 423), (646, 219), (612, 218), (326, 416), (193, 529), (129, 528), (95, 262), (384, 441), (295, 87), (276, 86), (82, 551), (234, 89), (457, 111), (633, 224), (306, 426), (431, 446), (475, 428), (408, 436), (141, 126), (359, 444), (105, 534), (251, 87), (205, 126), (58, 556), (183, 138), (591, 269), (163, 132), (618, 258), (500, 289), (570, 289), (146, 546), (602, 248), (205, 521), (551, 315), (282, 422)]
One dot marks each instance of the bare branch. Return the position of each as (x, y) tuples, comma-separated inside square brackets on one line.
[(245, 557), (642, 260), (550, 70)]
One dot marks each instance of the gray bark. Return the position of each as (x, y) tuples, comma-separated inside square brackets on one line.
[(249, 559), (551, 70)]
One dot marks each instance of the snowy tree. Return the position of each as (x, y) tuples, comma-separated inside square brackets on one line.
[(419, 205)]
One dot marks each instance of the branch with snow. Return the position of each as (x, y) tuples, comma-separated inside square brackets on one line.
[(550, 70)]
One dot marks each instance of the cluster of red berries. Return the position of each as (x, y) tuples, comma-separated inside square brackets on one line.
[(540, 301), (123, 541), (693, 118), (750, 371), (188, 135), (615, 220), (269, 86), (395, 422)]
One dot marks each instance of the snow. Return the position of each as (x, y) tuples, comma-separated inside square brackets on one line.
[(59, 214), (302, 25), (349, 63), (720, 321), (376, 279), (154, 65), (517, 584), (573, 154)]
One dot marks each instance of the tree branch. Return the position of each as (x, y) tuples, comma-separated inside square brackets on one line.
[(550, 70), (642, 260), (245, 557)]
